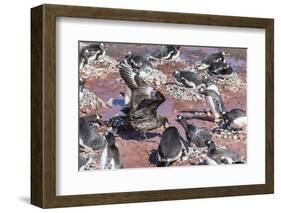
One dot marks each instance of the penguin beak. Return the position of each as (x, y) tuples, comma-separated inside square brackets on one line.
[(178, 118), (166, 124)]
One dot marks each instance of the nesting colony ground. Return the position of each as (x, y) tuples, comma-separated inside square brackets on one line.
[(106, 84)]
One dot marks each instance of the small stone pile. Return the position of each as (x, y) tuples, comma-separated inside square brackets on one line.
[(233, 135), (155, 77), (196, 155), (90, 102), (95, 156), (99, 68), (234, 82), (181, 93)]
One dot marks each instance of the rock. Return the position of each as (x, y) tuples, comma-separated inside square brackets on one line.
[(184, 158), (91, 101), (235, 137)]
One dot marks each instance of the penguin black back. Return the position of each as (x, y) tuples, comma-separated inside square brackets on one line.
[(90, 135), (188, 79), (171, 146), (214, 58), (197, 136), (110, 138)]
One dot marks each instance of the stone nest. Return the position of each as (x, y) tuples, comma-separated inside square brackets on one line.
[(99, 68), (181, 93)]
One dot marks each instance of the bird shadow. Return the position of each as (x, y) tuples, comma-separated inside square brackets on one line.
[(134, 135), (153, 159), (199, 115)]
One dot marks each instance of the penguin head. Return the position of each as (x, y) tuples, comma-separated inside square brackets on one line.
[(226, 54), (202, 90), (110, 138), (81, 84), (87, 52), (225, 116), (180, 118), (129, 53), (211, 146), (122, 94), (165, 122), (96, 120), (177, 74)]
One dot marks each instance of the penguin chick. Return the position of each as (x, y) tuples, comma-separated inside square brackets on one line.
[(110, 158), (89, 136), (214, 58), (83, 163), (171, 147), (235, 119), (195, 135), (220, 70), (222, 155), (167, 52)]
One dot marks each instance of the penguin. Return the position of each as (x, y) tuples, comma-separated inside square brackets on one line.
[(167, 52), (195, 135), (220, 69), (188, 79), (138, 62), (83, 162), (89, 136), (215, 58), (110, 158), (81, 85), (214, 100), (235, 119), (223, 155), (94, 51), (171, 147), (210, 85), (94, 120)]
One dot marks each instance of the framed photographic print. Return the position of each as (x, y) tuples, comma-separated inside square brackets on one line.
[(137, 106)]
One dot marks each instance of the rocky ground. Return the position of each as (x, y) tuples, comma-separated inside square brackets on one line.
[(103, 80)]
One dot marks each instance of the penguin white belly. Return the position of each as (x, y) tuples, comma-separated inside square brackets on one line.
[(190, 83), (210, 161), (203, 66), (103, 159), (112, 164), (81, 65), (239, 123), (81, 143), (167, 56), (226, 160), (210, 102), (177, 54), (214, 88)]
